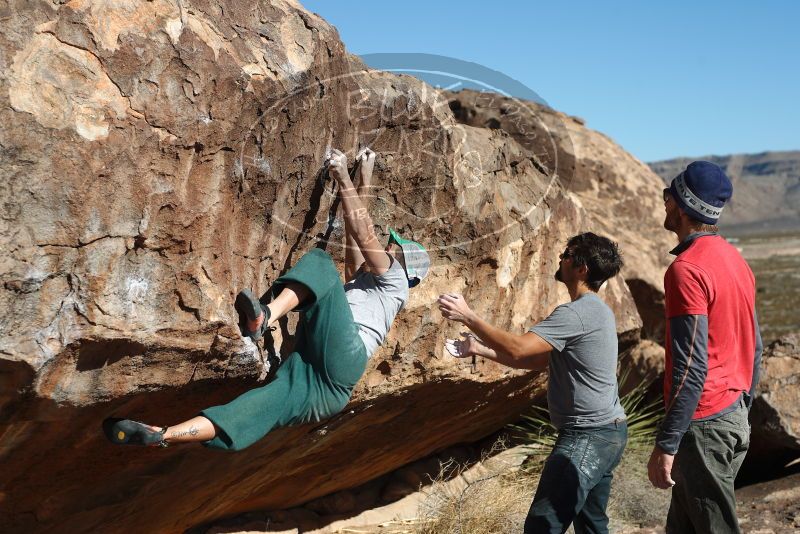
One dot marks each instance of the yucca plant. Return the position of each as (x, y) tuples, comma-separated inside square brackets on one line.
[(536, 431), (643, 417)]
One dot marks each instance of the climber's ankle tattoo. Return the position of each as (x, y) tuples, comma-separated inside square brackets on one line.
[(193, 431)]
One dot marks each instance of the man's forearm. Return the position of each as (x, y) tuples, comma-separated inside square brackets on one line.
[(677, 419), (353, 256), (358, 223), (364, 205), (751, 394), (505, 345), (689, 343), (509, 361), (526, 351)]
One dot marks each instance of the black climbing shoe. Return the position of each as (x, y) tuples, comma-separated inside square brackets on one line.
[(127, 432), (249, 307)]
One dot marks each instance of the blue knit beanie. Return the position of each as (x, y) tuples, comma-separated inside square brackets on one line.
[(702, 190)]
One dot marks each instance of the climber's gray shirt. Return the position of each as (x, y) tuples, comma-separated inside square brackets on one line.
[(375, 300)]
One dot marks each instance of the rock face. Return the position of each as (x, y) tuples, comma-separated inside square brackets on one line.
[(620, 195), (159, 156), (766, 189), (775, 416)]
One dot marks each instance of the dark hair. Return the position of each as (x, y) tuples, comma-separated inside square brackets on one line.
[(599, 254)]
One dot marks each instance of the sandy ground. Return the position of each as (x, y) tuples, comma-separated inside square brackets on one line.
[(756, 248), (770, 507)]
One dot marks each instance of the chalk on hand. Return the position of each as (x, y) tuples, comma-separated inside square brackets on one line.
[(450, 345)]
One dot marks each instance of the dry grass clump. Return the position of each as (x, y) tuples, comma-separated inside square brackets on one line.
[(496, 504)]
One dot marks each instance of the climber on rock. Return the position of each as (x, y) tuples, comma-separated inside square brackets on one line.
[(339, 327)]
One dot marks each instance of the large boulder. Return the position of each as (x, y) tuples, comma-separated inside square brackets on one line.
[(775, 416), (621, 196), (159, 156)]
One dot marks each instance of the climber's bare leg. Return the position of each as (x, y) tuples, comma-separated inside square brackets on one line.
[(195, 429), (289, 298)]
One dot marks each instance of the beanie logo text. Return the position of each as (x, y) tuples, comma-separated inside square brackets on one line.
[(693, 201)]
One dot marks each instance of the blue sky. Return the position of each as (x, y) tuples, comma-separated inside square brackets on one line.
[(663, 80)]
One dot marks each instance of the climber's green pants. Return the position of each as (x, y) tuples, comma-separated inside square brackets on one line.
[(316, 380)]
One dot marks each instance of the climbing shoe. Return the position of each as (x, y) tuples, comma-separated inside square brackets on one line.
[(249, 308), (127, 432)]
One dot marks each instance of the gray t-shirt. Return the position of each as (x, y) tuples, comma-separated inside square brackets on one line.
[(374, 301), (582, 390)]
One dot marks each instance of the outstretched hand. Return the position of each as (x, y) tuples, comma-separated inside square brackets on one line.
[(454, 307), (467, 346)]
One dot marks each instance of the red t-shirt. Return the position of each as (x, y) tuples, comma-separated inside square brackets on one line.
[(711, 278)]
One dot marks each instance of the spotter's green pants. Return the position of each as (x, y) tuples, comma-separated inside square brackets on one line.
[(708, 460), (317, 379)]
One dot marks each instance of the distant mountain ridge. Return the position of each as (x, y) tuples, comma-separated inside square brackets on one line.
[(766, 189)]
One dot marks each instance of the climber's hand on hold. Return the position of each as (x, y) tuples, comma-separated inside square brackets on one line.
[(454, 307), (337, 165)]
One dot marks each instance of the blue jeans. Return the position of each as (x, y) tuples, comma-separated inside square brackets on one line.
[(576, 480)]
